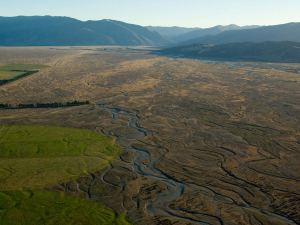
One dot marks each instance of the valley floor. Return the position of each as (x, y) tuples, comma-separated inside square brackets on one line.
[(205, 143)]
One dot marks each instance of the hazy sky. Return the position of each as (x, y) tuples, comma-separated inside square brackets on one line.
[(186, 13)]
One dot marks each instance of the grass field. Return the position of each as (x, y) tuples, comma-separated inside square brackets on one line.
[(14, 71), (41, 207), (8, 75), (10, 67), (35, 156)]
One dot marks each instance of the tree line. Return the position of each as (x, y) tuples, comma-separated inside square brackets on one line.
[(51, 104), (5, 105)]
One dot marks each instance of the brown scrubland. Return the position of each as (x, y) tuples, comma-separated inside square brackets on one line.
[(213, 142)]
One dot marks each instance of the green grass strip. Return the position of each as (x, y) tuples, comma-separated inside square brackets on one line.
[(48, 208), (9, 75), (10, 67)]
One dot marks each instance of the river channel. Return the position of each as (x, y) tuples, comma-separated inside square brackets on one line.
[(174, 189)]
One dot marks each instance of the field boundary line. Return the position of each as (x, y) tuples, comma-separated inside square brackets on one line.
[(35, 73), (5, 134), (59, 62)]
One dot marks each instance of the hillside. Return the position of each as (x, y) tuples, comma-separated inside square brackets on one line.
[(172, 32), (210, 31), (64, 31), (263, 51), (283, 32)]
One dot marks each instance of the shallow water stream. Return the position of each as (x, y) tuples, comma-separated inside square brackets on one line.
[(174, 189)]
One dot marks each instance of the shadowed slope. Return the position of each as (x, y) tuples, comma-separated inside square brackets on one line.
[(265, 51), (64, 31), (283, 32)]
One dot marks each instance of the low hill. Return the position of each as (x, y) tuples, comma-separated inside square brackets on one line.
[(65, 31), (210, 31), (172, 32), (263, 51), (283, 32)]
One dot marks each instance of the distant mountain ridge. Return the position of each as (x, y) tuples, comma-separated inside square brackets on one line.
[(288, 52), (180, 34), (65, 31), (283, 32), (210, 31), (171, 32)]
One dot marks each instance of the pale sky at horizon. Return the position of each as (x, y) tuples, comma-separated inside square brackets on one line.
[(185, 13)]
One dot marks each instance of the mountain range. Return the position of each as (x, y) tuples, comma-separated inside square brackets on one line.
[(270, 51), (210, 31), (283, 32), (172, 32), (65, 31)]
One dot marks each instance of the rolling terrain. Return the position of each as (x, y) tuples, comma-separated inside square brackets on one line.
[(204, 142), (283, 32), (64, 31), (288, 52)]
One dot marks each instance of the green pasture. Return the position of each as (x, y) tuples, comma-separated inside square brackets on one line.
[(36, 156), (41, 207), (26, 67), (9, 75), (13, 71)]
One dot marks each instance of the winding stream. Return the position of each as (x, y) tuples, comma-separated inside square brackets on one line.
[(174, 189)]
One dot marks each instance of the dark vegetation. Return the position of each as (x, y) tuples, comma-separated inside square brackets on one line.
[(5, 105), (60, 104), (41, 105), (64, 31), (264, 51)]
